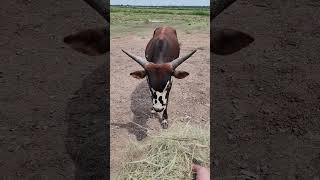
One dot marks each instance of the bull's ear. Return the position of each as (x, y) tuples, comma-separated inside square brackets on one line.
[(228, 41), (91, 42), (180, 74), (138, 74)]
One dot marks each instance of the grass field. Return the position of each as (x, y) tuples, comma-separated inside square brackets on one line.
[(127, 19)]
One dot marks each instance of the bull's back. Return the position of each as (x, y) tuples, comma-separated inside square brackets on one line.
[(164, 46)]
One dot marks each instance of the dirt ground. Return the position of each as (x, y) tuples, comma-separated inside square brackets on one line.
[(266, 98), (130, 99), (43, 135)]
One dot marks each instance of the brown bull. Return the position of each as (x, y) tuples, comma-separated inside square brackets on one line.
[(162, 59)]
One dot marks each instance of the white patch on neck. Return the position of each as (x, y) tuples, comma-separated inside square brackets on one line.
[(156, 103)]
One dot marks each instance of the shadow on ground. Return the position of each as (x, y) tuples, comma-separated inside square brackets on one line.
[(87, 122), (140, 107)]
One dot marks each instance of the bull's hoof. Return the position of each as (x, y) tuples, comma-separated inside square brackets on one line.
[(164, 124)]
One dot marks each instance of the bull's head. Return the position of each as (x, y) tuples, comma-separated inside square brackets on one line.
[(159, 77), (92, 41), (226, 41)]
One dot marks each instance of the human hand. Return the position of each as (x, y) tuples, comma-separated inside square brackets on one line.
[(202, 172)]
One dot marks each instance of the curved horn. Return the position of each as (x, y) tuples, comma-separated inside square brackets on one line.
[(217, 6), (101, 6), (138, 59), (175, 63)]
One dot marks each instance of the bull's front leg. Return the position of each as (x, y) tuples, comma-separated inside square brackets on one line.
[(164, 119)]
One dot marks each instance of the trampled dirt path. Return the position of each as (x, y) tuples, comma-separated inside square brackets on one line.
[(130, 98)]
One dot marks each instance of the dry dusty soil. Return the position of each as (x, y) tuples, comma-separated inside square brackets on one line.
[(52, 99), (267, 97), (130, 99)]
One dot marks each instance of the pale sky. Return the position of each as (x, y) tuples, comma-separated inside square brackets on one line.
[(162, 2)]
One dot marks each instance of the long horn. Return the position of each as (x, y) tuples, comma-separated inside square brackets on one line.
[(175, 63), (101, 6), (143, 62), (217, 6)]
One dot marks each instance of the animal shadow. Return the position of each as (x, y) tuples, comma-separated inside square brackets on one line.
[(87, 119), (141, 108)]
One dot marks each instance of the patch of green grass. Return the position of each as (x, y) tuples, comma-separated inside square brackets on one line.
[(151, 10), (129, 19)]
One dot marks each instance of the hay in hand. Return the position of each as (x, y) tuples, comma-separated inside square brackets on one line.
[(168, 155)]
